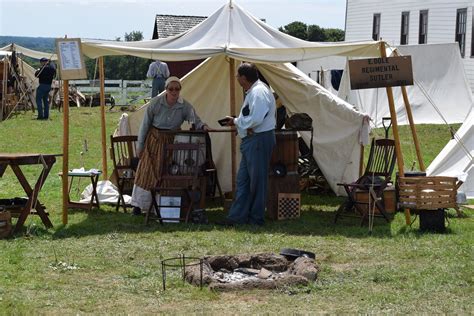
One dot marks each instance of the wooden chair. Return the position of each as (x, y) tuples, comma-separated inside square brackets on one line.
[(124, 157), (181, 172), (375, 179)]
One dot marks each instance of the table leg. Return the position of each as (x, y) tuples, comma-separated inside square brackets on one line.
[(33, 201), (95, 180)]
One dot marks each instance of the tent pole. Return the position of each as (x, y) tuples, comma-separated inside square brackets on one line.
[(421, 164), (393, 117), (413, 128), (102, 117), (361, 161), (232, 112), (65, 179), (4, 86)]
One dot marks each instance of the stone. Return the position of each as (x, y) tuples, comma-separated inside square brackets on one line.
[(305, 267)]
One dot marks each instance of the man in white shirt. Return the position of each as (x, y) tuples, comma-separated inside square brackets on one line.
[(256, 126), (159, 71)]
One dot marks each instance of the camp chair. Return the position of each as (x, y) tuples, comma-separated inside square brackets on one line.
[(369, 188), (178, 190), (124, 158)]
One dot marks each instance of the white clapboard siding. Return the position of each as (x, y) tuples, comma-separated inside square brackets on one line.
[(441, 23)]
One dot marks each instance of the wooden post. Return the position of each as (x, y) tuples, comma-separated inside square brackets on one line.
[(232, 112), (4, 86), (65, 179), (361, 161), (412, 126), (102, 118), (393, 117)]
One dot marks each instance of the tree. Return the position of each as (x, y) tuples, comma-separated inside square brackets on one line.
[(296, 29), (316, 34), (312, 33), (334, 35)]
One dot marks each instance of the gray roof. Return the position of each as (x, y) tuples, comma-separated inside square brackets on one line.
[(169, 25)]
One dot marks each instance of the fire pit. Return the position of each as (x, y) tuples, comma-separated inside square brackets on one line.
[(257, 271)]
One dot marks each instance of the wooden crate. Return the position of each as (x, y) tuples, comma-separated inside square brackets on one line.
[(278, 185), (427, 193), (389, 200), (5, 224)]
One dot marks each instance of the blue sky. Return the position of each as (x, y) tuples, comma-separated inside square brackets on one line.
[(108, 19)]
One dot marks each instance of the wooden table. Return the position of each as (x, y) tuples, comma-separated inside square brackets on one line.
[(15, 160), (94, 178)]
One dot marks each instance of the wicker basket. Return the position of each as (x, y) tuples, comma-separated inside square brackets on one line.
[(427, 193), (5, 224)]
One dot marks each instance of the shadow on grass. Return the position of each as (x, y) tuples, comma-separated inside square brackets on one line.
[(313, 222)]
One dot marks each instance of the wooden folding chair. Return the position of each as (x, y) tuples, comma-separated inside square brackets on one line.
[(181, 170), (124, 157), (372, 184)]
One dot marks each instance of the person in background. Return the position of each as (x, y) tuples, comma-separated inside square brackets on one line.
[(256, 126), (166, 112), (45, 75), (159, 71)]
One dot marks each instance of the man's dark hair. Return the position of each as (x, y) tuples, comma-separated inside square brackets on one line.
[(249, 71)]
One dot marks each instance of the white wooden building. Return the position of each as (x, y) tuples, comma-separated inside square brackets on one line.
[(401, 22)]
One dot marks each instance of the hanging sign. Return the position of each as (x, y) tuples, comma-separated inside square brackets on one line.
[(380, 72), (71, 61)]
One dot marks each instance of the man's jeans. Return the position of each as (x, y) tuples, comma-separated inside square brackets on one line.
[(42, 104)]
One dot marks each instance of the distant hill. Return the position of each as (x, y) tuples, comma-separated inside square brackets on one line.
[(44, 44)]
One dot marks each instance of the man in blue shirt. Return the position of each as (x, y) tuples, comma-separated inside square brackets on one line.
[(45, 76), (256, 127)]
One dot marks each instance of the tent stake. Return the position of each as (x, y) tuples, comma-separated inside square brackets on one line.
[(393, 116)]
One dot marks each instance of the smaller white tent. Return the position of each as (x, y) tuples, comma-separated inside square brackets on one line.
[(457, 157), (440, 85)]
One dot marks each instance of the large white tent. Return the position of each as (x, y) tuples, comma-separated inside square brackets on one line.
[(232, 33), (457, 157), (440, 94)]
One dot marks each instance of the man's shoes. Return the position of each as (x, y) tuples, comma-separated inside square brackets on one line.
[(136, 211), (226, 222)]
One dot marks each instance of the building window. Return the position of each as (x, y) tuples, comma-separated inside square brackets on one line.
[(461, 18), (423, 30), (404, 28), (376, 27)]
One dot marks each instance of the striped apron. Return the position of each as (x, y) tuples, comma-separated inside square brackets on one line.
[(149, 168)]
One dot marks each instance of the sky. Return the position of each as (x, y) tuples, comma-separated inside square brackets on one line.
[(109, 19)]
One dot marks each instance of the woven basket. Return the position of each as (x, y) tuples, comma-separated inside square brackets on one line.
[(5, 224), (427, 193)]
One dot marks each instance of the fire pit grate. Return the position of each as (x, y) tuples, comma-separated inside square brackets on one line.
[(182, 262)]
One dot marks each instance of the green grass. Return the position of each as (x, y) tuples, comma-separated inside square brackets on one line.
[(104, 262)]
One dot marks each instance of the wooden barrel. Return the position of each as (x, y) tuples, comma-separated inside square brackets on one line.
[(286, 150)]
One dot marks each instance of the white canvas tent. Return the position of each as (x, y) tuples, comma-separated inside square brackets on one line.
[(232, 33), (440, 85), (457, 157)]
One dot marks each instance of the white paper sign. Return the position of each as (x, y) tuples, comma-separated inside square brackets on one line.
[(170, 207), (70, 55)]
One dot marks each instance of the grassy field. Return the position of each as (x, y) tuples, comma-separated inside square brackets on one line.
[(104, 262)]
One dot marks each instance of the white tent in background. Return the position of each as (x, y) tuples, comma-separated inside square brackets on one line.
[(440, 85), (457, 157), (233, 32)]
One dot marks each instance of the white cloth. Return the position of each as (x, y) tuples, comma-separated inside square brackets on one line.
[(106, 191), (141, 198), (260, 104), (158, 69)]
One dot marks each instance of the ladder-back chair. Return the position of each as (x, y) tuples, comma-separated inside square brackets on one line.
[(124, 158), (372, 183)]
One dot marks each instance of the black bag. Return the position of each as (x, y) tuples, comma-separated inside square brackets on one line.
[(299, 121)]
